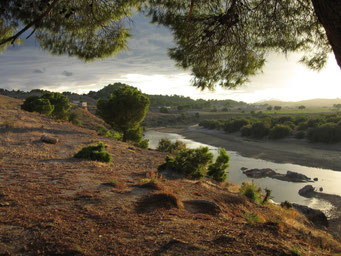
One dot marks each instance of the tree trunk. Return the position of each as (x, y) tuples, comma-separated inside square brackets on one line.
[(124, 136), (329, 14)]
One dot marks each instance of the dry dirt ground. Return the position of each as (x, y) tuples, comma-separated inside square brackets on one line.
[(53, 204)]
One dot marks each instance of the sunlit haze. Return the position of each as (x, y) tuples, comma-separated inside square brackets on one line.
[(146, 66)]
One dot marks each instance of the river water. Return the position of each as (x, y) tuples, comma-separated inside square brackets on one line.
[(329, 180)]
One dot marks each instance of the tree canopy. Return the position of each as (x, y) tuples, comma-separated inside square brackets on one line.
[(124, 110), (221, 41)]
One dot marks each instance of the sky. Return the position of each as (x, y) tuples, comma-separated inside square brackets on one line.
[(147, 66)]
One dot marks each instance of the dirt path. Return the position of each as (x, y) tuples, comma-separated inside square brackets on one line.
[(288, 150)]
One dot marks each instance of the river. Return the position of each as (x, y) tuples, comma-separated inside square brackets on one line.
[(329, 180)]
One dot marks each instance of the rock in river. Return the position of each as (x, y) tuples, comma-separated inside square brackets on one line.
[(317, 217)]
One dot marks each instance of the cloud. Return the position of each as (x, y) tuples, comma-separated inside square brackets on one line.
[(38, 71), (67, 73)]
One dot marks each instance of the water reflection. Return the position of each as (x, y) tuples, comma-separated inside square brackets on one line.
[(281, 190)]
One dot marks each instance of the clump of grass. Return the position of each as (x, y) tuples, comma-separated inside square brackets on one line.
[(286, 204), (295, 251), (251, 191), (94, 153), (111, 183), (252, 218), (267, 196), (153, 180)]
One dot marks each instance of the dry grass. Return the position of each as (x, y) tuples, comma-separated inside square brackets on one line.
[(52, 204)]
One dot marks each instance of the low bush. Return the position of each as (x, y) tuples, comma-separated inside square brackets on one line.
[(164, 110), (165, 145), (246, 131), (252, 218), (217, 170), (279, 131), (28, 103), (51, 103), (190, 162), (251, 191), (142, 144), (259, 130), (94, 153), (235, 125), (286, 204), (103, 131), (300, 135), (36, 104), (326, 133), (75, 117), (60, 102)]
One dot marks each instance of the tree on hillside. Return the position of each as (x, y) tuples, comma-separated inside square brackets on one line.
[(222, 41), (60, 102), (301, 107), (124, 110), (269, 108), (277, 108)]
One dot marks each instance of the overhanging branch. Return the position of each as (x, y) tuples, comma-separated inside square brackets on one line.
[(29, 25)]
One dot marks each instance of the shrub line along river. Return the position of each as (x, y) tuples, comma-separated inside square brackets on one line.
[(329, 180)]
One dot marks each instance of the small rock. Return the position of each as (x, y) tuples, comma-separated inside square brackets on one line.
[(306, 191), (259, 173), (297, 176), (316, 179), (48, 139), (321, 189)]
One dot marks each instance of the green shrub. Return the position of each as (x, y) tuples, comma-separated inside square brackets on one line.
[(102, 131), (246, 131), (28, 103), (300, 135), (217, 170), (94, 153), (279, 131), (142, 144), (326, 133), (75, 117), (286, 204), (259, 130), (190, 162), (212, 124), (235, 125), (134, 135), (60, 102), (251, 191), (42, 106), (165, 145), (164, 110), (252, 218), (36, 104), (267, 196)]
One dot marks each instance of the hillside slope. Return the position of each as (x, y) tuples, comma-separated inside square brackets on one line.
[(53, 204)]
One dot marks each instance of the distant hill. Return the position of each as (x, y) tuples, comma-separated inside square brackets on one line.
[(307, 103), (155, 100)]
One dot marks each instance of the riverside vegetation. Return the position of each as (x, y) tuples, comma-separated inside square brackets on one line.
[(65, 206), (323, 128)]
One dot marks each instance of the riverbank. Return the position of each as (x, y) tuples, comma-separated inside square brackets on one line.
[(287, 150)]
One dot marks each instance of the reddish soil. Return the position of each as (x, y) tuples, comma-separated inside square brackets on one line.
[(53, 204)]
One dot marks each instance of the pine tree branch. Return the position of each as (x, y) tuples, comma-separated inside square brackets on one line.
[(29, 25)]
